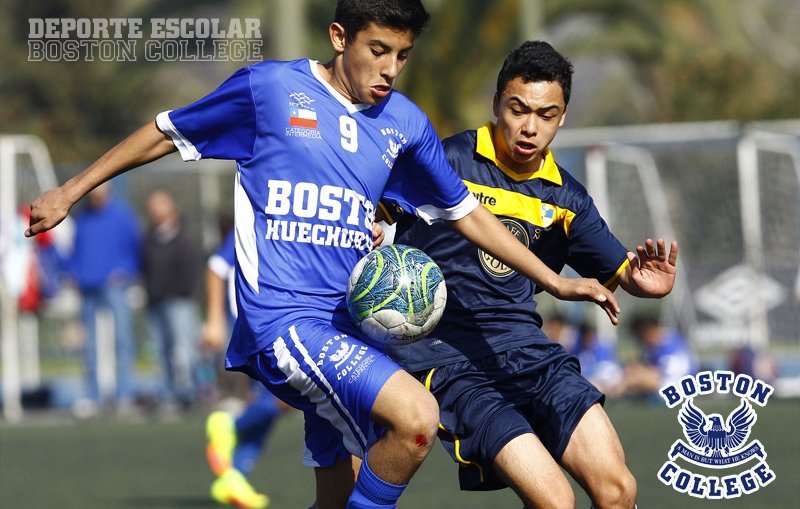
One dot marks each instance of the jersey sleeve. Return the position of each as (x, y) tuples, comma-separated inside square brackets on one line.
[(224, 258), (221, 125), (594, 252), (422, 182)]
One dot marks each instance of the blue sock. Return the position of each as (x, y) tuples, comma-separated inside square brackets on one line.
[(251, 428), (372, 492)]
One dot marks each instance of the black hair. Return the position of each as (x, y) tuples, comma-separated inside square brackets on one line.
[(645, 319), (536, 61), (355, 15)]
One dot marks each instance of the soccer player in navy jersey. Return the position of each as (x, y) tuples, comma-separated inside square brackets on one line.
[(316, 147), (514, 406)]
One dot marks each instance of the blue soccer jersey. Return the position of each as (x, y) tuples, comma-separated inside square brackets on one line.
[(490, 307), (311, 167)]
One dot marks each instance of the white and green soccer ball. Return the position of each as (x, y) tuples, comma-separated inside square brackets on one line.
[(396, 295)]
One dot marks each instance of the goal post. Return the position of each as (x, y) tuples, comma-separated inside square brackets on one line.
[(41, 178), (769, 183)]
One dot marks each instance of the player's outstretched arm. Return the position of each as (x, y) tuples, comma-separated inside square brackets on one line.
[(651, 274), (484, 230), (145, 145)]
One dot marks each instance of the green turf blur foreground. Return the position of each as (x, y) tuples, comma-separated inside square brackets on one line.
[(109, 464)]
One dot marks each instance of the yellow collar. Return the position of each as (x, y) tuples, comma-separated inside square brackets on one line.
[(485, 147)]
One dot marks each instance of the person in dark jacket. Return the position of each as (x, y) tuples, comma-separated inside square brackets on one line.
[(171, 272)]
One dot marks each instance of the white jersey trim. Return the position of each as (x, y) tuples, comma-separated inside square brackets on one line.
[(327, 402), (351, 108), (431, 214), (357, 445), (245, 225), (184, 146), (219, 266)]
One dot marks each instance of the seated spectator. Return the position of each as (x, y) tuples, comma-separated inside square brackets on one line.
[(598, 358), (666, 358), (559, 330)]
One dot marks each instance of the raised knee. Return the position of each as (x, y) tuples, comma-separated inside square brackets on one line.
[(565, 501), (630, 491), (424, 415), (418, 420), (620, 494)]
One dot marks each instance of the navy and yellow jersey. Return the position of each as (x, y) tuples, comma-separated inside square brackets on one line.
[(490, 307)]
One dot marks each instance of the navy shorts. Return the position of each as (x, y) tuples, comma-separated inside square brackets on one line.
[(484, 404), (334, 379)]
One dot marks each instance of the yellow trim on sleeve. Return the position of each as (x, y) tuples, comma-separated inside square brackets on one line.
[(389, 218), (485, 147), (612, 283)]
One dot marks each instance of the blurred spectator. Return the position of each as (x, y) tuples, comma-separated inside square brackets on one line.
[(32, 268), (171, 271), (747, 361), (666, 358), (797, 288), (598, 359), (559, 330), (106, 257)]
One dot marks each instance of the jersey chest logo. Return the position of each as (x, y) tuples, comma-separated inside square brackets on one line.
[(494, 266), (302, 117)]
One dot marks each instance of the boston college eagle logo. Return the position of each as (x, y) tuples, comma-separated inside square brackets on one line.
[(714, 444), (714, 438)]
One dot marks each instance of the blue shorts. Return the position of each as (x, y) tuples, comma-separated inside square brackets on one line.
[(484, 404), (334, 379)]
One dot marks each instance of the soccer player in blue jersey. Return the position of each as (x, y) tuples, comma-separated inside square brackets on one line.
[(234, 444), (316, 147), (513, 406)]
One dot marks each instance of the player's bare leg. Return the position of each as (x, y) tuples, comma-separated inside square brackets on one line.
[(335, 483), (595, 459), (528, 468), (410, 415)]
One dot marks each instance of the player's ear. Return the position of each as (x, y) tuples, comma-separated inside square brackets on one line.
[(563, 116), (338, 37), (496, 106)]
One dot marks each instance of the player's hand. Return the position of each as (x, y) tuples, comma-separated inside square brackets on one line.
[(377, 235), (213, 336), (652, 271), (588, 290), (48, 210)]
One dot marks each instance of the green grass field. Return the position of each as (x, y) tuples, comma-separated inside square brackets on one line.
[(56, 463)]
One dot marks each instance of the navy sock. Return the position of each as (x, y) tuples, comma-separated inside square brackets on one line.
[(372, 492)]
